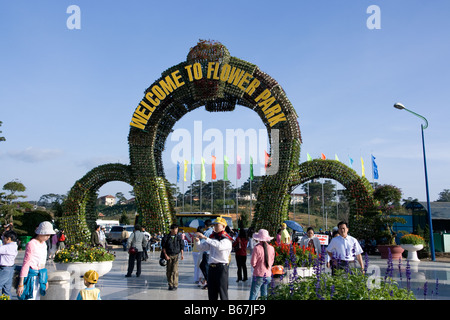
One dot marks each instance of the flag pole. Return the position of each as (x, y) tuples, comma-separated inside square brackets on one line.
[(251, 196)]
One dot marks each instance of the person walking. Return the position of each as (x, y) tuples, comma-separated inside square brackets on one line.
[(344, 249), (262, 260), (205, 255), (310, 241), (147, 237), (171, 248), (33, 274), (240, 252), (137, 241), (8, 253), (61, 240), (95, 239), (285, 236), (196, 255), (219, 245), (102, 236)]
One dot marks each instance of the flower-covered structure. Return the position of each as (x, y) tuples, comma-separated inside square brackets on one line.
[(212, 78)]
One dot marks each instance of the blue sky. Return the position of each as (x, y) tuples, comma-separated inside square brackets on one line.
[(67, 96)]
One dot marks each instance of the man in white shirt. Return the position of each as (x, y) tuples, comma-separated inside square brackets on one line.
[(343, 249), (219, 245)]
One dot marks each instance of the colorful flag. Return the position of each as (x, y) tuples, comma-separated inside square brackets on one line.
[(308, 157), (185, 169), (350, 161), (323, 156), (363, 171), (375, 168), (178, 171), (192, 170), (251, 168), (238, 167), (213, 173), (336, 157), (225, 168), (203, 173)]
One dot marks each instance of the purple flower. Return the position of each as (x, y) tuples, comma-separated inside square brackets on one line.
[(366, 262), (332, 291), (408, 275), (437, 286)]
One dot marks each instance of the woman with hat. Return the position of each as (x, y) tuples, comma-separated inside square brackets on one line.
[(33, 275), (262, 260)]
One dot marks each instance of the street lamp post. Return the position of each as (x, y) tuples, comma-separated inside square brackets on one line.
[(430, 223)]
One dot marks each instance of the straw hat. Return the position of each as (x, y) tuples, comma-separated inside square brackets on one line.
[(221, 221), (262, 235), (45, 228)]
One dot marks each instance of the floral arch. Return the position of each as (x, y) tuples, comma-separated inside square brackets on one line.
[(212, 78)]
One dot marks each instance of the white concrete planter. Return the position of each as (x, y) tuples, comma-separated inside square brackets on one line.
[(301, 273), (77, 271), (412, 251), (58, 286)]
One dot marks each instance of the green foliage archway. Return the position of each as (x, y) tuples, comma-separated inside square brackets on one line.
[(212, 78), (79, 213)]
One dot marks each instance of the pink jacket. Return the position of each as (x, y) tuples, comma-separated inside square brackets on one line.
[(35, 257), (257, 260)]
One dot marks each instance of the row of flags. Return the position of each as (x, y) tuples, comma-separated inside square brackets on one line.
[(267, 159), (213, 169), (363, 170)]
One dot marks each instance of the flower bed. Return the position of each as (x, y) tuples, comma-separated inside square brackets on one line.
[(293, 255), (81, 252), (346, 284)]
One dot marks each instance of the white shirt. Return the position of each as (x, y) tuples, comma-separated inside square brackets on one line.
[(344, 248), (219, 251)]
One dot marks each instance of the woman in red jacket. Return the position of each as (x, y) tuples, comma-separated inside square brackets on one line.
[(240, 249)]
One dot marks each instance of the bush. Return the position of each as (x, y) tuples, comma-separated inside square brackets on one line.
[(347, 284)]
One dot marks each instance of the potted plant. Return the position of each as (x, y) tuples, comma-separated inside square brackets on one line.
[(412, 243), (81, 257), (388, 199)]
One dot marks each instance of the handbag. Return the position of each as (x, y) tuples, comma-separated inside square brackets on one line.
[(132, 250)]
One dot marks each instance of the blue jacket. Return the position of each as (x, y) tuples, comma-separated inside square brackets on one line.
[(28, 283)]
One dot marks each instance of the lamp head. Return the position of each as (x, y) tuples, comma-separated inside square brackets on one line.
[(399, 106)]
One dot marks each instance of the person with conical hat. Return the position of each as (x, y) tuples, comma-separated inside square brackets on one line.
[(219, 244)]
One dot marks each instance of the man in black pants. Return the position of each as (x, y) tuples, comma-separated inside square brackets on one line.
[(219, 245), (172, 246)]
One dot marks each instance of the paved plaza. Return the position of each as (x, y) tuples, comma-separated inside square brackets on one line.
[(152, 284)]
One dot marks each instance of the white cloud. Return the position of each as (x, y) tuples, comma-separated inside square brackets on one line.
[(32, 154)]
